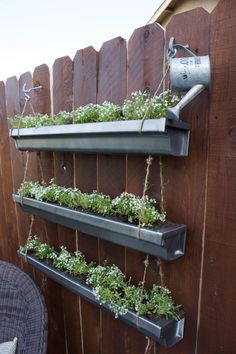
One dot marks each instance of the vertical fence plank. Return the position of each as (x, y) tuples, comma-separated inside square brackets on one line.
[(111, 172), (218, 300), (17, 162), (85, 77), (84, 92), (9, 231), (64, 176), (47, 231), (145, 70), (186, 181)]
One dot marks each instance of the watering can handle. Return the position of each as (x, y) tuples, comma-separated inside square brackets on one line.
[(173, 48)]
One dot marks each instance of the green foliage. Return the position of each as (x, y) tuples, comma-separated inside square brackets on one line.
[(160, 303), (126, 205), (40, 120), (86, 114), (140, 105), (136, 208), (108, 283), (109, 112)]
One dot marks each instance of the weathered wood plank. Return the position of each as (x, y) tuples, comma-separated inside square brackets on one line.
[(64, 176), (145, 68), (84, 92), (111, 173), (17, 165), (218, 300), (186, 181), (9, 233), (41, 101), (85, 77)]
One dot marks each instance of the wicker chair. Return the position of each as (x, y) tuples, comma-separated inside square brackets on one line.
[(22, 311)]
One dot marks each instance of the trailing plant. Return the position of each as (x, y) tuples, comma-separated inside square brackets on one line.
[(140, 105), (127, 205), (108, 283), (40, 120)]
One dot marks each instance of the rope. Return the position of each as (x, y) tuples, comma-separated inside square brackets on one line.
[(40, 167), (25, 172), (148, 346), (29, 234), (162, 201), (155, 93), (145, 188), (160, 271), (146, 264), (23, 112)]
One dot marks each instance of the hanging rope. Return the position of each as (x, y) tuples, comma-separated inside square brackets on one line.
[(29, 234), (160, 270), (145, 188), (155, 94), (162, 201), (146, 264), (149, 345), (40, 167), (25, 172), (27, 100)]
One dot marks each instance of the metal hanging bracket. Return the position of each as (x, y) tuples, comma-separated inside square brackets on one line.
[(28, 91), (190, 73), (173, 48)]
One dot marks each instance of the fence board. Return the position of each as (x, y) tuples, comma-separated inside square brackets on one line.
[(145, 71), (64, 176), (185, 203), (218, 301), (9, 234), (85, 77), (47, 231), (145, 67), (17, 164), (84, 92), (111, 173)]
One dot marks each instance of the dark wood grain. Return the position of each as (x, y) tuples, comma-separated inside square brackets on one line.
[(186, 182), (85, 91), (85, 77), (145, 68), (17, 161), (145, 71), (62, 84), (41, 101), (218, 300), (112, 71), (111, 173), (9, 228), (64, 176)]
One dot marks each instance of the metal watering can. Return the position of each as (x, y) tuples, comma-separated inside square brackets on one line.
[(187, 73)]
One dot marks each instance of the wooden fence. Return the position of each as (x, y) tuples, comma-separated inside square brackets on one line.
[(199, 190)]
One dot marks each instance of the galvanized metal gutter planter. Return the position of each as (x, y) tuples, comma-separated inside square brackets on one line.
[(167, 242), (164, 331), (159, 136)]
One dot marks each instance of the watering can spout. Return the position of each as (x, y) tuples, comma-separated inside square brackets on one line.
[(173, 113)]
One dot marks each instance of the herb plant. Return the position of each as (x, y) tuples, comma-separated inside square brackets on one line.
[(134, 209), (140, 105), (108, 283)]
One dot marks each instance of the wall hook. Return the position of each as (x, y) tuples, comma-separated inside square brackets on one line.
[(28, 91)]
